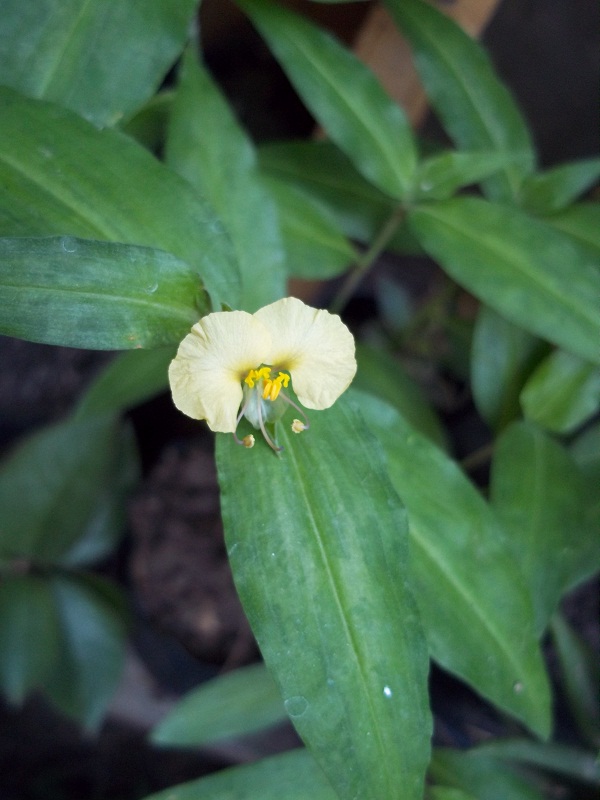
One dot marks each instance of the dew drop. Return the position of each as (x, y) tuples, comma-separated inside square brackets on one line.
[(68, 244), (151, 288), (518, 687), (387, 691), (296, 706)]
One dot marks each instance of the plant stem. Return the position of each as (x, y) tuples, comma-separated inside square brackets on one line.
[(363, 264)]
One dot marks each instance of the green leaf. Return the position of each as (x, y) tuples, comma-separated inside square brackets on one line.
[(233, 704), (582, 222), (476, 611), (580, 677), (474, 106), (344, 96), (288, 776), (444, 793), (585, 450), (502, 356), (206, 146), (53, 485), (29, 634), (108, 520), (485, 777), (61, 175), (558, 758), (318, 552), (538, 493), (77, 52), (321, 170), (131, 378), (97, 295), (523, 268), (441, 175), (384, 377), (556, 188), (149, 125), (562, 392), (93, 628), (315, 247)]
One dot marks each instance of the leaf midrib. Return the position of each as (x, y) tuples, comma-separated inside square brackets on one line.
[(336, 593)]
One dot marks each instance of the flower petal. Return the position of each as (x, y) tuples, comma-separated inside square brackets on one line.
[(211, 363), (314, 346)]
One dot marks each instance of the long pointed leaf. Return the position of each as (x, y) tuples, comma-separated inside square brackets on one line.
[(61, 175), (318, 551), (538, 493), (206, 145), (93, 624), (344, 96), (234, 704), (523, 268), (77, 52), (475, 107), (477, 613), (288, 776), (98, 295), (51, 484)]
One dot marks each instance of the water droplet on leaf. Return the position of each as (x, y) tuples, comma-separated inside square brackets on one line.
[(68, 244), (296, 706)]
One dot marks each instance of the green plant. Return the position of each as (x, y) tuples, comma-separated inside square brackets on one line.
[(364, 549)]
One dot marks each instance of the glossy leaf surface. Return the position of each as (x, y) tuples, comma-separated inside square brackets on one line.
[(61, 175), (344, 96), (76, 52), (206, 145), (562, 392), (96, 295), (318, 554), (474, 106), (477, 613), (521, 267), (234, 704), (538, 493)]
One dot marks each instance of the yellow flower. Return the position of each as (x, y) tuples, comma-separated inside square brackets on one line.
[(235, 364)]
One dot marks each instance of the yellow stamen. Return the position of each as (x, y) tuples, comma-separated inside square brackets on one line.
[(298, 426), (248, 441), (255, 375), (273, 386)]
